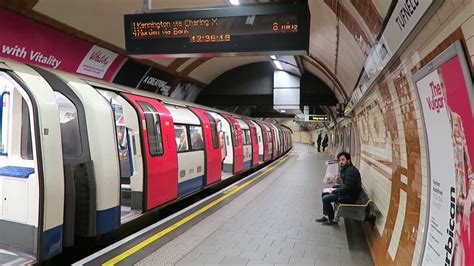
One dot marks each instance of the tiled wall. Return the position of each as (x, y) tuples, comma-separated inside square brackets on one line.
[(392, 153)]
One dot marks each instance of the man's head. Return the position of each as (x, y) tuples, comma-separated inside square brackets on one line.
[(344, 158)]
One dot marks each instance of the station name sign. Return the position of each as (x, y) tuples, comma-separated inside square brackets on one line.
[(241, 30)]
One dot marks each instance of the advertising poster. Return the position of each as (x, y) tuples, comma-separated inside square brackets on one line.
[(449, 122), (158, 81), (27, 41), (131, 73), (96, 62), (460, 102), (186, 92)]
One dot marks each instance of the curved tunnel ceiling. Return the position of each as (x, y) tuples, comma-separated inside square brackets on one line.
[(336, 62), (253, 95)]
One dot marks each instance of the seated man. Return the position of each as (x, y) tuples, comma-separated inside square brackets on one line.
[(348, 192)]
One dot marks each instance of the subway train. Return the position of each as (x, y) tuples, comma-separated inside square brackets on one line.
[(82, 157)]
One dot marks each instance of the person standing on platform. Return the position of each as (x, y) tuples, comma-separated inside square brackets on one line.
[(347, 192), (325, 142), (319, 140)]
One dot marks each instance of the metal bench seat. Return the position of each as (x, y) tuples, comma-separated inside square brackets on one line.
[(359, 210)]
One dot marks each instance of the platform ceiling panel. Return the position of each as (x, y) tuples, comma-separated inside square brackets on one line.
[(216, 66), (103, 19)]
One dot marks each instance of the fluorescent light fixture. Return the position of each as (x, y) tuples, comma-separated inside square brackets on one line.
[(277, 64), (234, 2), (283, 111), (273, 57)]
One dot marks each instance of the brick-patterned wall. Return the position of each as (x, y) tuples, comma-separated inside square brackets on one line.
[(351, 23), (392, 156), (370, 14)]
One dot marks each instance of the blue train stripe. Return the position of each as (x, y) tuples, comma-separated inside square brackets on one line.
[(190, 185), (108, 220), (247, 164), (52, 242)]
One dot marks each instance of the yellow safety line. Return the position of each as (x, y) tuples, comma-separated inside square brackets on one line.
[(160, 234)]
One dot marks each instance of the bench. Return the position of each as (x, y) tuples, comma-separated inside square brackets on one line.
[(362, 210)]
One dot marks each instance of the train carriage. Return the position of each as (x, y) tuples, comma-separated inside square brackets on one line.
[(212, 144), (31, 164), (92, 156)]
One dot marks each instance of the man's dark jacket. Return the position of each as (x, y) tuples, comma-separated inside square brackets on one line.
[(351, 183)]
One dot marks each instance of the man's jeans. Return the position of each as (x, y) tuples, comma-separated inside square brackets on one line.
[(329, 198)]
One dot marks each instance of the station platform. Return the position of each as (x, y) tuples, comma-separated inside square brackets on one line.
[(266, 218)]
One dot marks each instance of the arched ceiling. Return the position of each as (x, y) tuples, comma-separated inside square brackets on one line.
[(337, 61)]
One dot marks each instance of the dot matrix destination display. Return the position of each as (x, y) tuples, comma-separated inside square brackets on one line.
[(252, 29), (214, 29)]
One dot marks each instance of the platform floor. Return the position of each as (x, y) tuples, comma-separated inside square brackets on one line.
[(270, 222)]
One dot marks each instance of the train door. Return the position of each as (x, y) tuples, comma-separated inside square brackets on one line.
[(260, 140), (255, 143), (246, 143), (129, 154), (79, 175), (227, 150), (282, 140), (274, 142), (105, 169), (236, 134), (267, 149), (31, 168), (158, 143), (278, 138), (213, 149), (190, 145)]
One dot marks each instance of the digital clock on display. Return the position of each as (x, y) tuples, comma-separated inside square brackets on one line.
[(211, 38)]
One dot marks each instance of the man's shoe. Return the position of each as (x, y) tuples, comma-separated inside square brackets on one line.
[(329, 223), (322, 219)]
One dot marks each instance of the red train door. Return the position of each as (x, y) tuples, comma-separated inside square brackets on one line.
[(161, 160), (237, 142), (274, 141), (253, 134), (265, 130), (213, 150)]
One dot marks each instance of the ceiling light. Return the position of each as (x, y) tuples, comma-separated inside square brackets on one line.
[(283, 111), (234, 2), (277, 64), (273, 57)]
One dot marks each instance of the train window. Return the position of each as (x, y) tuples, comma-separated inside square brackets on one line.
[(249, 139), (69, 123), (26, 141), (181, 136), (244, 137), (269, 136), (259, 139), (234, 135), (215, 138), (196, 138), (122, 134), (152, 120)]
